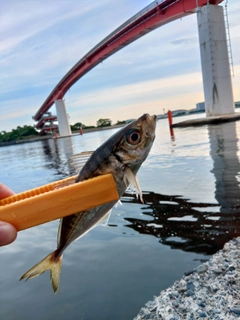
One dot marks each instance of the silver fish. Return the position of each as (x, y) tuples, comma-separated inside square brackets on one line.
[(121, 155)]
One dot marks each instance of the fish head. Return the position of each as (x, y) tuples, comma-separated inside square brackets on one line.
[(137, 140)]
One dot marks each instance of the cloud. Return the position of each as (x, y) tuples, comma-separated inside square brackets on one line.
[(41, 41), (128, 101), (184, 41), (21, 21)]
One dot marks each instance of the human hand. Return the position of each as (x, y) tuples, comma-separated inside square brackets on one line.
[(7, 232)]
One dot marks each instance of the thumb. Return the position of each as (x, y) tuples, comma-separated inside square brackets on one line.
[(8, 233)]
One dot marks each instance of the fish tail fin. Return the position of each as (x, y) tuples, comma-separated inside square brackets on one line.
[(50, 262)]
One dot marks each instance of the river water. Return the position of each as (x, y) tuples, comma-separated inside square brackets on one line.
[(191, 190)]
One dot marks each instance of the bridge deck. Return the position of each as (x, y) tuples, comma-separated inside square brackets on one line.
[(151, 17)]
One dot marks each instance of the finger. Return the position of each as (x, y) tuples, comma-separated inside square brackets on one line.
[(7, 233), (5, 191)]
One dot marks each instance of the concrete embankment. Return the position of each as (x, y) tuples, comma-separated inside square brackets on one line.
[(207, 120), (211, 291)]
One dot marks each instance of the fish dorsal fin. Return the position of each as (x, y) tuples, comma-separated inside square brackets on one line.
[(77, 161), (133, 180), (65, 184)]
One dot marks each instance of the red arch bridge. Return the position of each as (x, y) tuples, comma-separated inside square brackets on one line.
[(151, 17)]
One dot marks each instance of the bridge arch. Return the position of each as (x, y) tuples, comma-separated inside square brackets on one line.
[(151, 17)]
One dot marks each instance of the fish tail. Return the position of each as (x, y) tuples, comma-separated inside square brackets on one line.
[(50, 262)]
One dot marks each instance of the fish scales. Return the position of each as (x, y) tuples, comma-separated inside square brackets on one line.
[(75, 226), (121, 155)]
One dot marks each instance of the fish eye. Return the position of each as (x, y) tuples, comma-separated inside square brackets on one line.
[(133, 137)]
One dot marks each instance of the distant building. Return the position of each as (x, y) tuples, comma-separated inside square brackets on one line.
[(179, 112), (200, 106), (195, 110)]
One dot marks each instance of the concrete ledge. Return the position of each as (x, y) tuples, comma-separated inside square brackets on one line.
[(207, 120), (211, 291)]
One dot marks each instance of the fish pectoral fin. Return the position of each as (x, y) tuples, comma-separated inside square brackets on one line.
[(51, 263), (105, 219), (119, 203), (133, 180)]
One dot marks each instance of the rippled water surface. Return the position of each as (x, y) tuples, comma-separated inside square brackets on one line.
[(191, 191)]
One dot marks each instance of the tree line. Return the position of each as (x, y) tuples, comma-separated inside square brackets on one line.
[(29, 131), (103, 122), (18, 134)]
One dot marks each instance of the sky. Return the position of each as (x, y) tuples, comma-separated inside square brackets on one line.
[(41, 40)]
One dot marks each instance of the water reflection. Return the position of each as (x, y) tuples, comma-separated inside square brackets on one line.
[(224, 152), (185, 225), (56, 153), (181, 223), (198, 227)]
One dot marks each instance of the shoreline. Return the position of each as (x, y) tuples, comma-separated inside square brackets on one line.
[(182, 124), (74, 133), (207, 120)]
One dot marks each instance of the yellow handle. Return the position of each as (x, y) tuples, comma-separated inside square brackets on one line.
[(46, 203)]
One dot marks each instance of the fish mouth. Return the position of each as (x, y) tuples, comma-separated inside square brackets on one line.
[(148, 118), (151, 122)]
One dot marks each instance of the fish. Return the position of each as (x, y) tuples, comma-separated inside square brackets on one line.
[(121, 155)]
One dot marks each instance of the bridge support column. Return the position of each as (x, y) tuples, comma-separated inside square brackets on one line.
[(62, 117), (215, 61)]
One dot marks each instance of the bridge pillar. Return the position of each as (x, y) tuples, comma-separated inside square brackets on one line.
[(215, 61), (62, 117)]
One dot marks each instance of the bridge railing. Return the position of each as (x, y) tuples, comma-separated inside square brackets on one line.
[(106, 41), (120, 28), (138, 15), (112, 34), (125, 24)]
